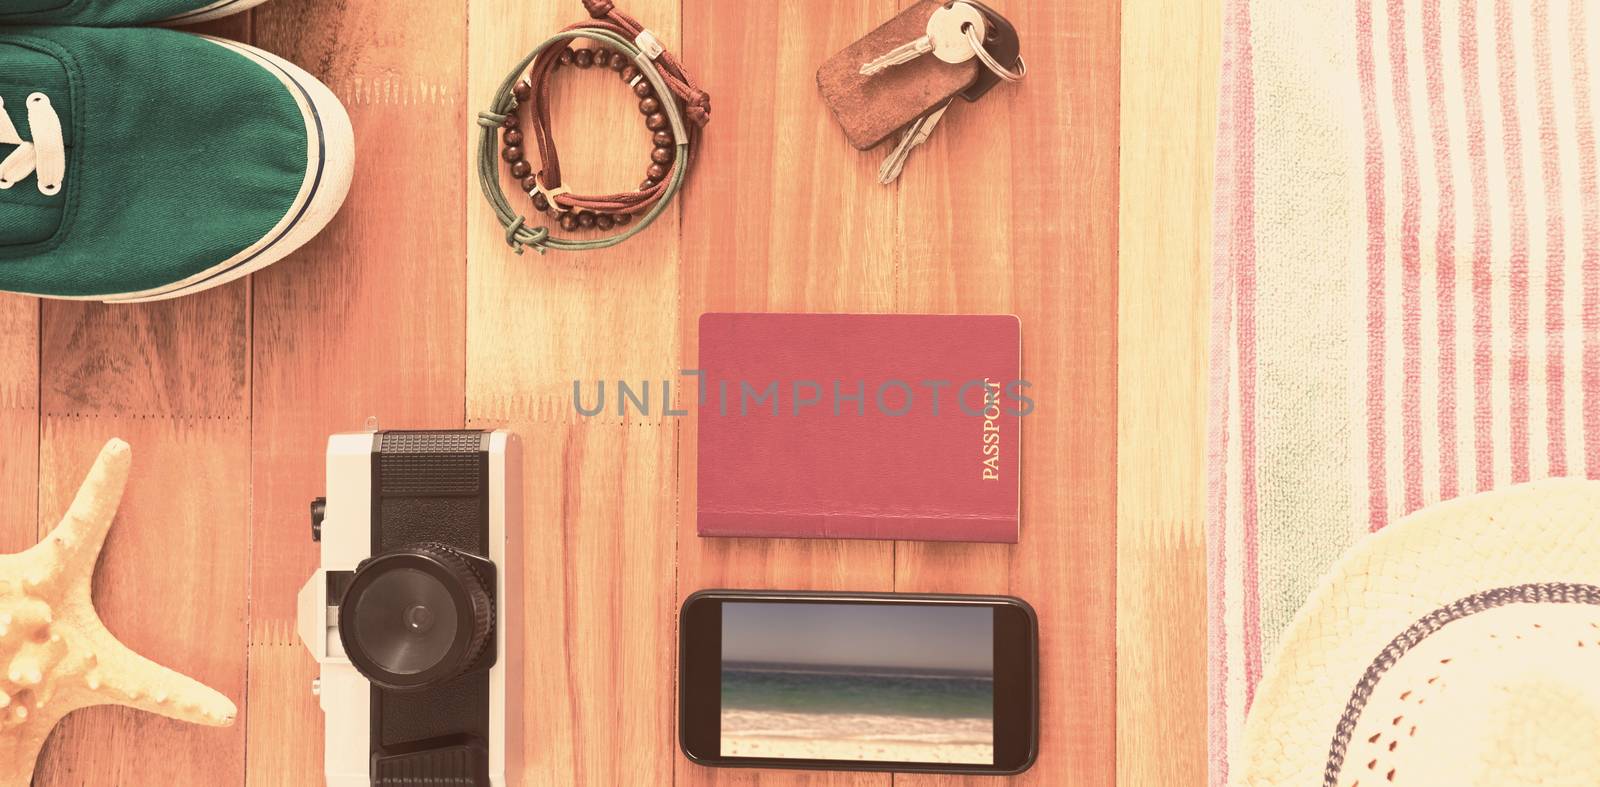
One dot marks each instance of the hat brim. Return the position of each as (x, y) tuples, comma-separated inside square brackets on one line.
[(1533, 534)]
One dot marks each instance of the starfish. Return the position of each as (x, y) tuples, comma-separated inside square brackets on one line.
[(55, 654)]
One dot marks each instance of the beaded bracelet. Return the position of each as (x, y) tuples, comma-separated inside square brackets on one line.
[(595, 212), (664, 91)]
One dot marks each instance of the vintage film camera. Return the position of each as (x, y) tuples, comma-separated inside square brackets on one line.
[(415, 612)]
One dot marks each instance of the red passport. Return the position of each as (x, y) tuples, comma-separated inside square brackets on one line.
[(860, 426)]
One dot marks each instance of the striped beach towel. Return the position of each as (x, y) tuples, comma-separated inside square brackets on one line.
[(1406, 303)]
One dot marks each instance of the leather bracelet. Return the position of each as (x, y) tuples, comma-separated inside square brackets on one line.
[(675, 109)]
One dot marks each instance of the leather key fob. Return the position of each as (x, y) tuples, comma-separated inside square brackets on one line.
[(873, 108), (1002, 42)]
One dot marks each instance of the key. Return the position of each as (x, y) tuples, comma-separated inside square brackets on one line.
[(873, 110), (915, 134), (1001, 40), (946, 39)]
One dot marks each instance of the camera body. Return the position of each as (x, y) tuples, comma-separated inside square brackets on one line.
[(414, 614)]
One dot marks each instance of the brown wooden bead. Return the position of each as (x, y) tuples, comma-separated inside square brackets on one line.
[(511, 121), (511, 153), (569, 222), (656, 122), (521, 169), (583, 58), (656, 172), (662, 139), (624, 218), (604, 221), (566, 57), (522, 90), (619, 61), (586, 220), (643, 89), (649, 106), (648, 184), (602, 58), (662, 155), (512, 137), (629, 72), (540, 203), (529, 184)]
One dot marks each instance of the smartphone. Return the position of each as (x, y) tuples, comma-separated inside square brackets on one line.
[(859, 681)]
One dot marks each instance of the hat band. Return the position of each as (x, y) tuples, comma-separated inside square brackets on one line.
[(1542, 593)]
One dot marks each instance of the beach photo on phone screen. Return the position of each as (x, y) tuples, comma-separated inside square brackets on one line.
[(881, 682)]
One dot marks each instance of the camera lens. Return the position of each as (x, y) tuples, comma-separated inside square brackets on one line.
[(420, 619), (406, 621), (417, 616)]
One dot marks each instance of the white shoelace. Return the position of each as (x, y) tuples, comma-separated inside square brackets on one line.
[(45, 155)]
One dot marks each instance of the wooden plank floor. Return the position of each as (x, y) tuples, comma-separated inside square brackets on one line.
[(1170, 50), (410, 308)]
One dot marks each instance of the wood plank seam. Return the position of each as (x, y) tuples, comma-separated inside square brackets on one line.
[(138, 418)]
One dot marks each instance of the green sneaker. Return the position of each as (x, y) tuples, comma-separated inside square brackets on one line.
[(114, 13), (141, 164)]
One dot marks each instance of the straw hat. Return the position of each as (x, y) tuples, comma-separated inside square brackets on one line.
[(1459, 646)]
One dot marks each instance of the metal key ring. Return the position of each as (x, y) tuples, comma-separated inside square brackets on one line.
[(975, 38)]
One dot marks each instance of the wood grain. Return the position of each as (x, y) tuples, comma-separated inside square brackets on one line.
[(600, 650), (366, 320), (19, 422), (538, 323), (827, 243), (411, 308), (1039, 245), (1063, 228), (170, 378), (599, 491), (943, 241), (188, 357), (1170, 56), (174, 564)]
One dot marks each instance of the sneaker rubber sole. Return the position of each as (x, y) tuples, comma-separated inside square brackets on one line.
[(216, 10)]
